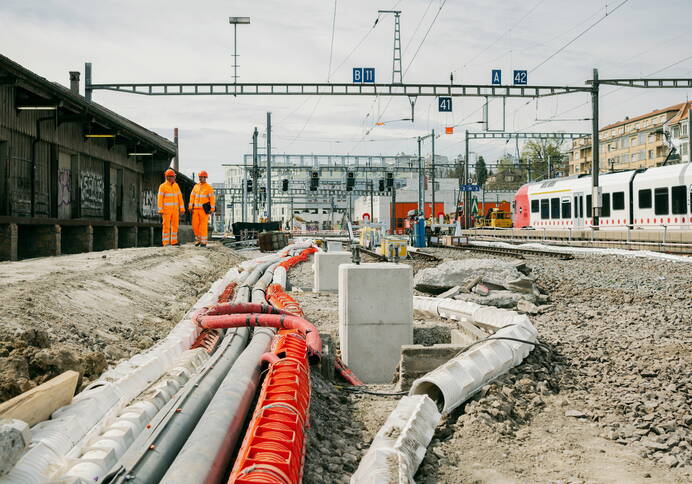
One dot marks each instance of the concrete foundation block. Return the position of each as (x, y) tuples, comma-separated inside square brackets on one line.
[(9, 234), (38, 241), (77, 239), (105, 237), (418, 360), (145, 236), (127, 237), (375, 317), (327, 270)]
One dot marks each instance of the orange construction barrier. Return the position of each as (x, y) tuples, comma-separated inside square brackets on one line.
[(273, 451)]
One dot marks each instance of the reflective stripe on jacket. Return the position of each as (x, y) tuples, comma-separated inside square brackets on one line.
[(170, 197), (202, 193)]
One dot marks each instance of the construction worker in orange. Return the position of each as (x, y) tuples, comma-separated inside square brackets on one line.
[(170, 206), (202, 203)]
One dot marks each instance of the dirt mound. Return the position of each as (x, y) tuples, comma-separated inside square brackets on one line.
[(87, 311)]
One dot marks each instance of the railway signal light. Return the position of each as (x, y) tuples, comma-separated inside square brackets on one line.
[(390, 180), (249, 186), (381, 185), (284, 185), (350, 181), (314, 180)]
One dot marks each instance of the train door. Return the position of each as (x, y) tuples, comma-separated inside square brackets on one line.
[(578, 210)]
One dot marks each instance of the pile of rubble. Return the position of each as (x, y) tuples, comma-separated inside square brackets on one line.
[(490, 282)]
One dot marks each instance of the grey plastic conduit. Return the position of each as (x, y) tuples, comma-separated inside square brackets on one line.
[(206, 456), (170, 429)]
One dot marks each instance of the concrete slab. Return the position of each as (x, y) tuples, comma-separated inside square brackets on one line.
[(418, 360), (326, 278), (375, 317)]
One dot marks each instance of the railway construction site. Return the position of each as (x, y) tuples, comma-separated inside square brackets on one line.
[(465, 367)]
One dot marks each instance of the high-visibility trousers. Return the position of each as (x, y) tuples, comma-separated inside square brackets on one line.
[(200, 225), (169, 233)]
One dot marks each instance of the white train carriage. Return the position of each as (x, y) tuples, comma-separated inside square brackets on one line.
[(645, 198)]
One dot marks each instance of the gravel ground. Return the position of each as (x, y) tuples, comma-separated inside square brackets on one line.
[(606, 400), (87, 311)]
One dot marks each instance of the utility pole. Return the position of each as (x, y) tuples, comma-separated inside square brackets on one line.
[(397, 76), (434, 215), (235, 21), (392, 210), (467, 219), (372, 205), (269, 167), (421, 188), (243, 201), (595, 153), (255, 173)]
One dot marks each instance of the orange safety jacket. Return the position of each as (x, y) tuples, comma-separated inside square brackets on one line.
[(201, 194), (170, 198)]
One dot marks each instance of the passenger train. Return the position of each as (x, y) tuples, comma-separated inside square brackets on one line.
[(647, 198)]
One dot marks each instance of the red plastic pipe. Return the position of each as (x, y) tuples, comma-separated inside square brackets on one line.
[(279, 321)]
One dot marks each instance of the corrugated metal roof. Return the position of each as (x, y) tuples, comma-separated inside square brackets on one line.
[(80, 104)]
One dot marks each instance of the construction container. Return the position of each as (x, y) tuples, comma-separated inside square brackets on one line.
[(271, 241), (392, 244)]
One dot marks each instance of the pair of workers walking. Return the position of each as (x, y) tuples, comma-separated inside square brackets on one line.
[(171, 206)]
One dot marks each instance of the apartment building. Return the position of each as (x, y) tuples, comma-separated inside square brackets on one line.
[(638, 142), (677, 131)]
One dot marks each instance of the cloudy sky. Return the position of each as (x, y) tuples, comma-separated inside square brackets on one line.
[(291, 41)]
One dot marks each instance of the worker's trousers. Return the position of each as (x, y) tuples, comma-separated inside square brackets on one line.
[(169, 232), (200, 224)]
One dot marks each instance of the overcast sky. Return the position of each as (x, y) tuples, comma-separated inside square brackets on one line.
[(289, 41)]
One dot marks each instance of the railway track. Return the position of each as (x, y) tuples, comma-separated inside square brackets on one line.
[(411, 254), (513, 252)]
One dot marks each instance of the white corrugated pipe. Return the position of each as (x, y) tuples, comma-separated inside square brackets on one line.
[(453, 383), (399, 447), (101, 401), (104, 450)]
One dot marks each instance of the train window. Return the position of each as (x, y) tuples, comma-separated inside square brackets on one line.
[(661, 201), (645, 198), (566, 208), (679, 199), (619, 201), (605, 210), (545, 208), (534, 206), (588, 205), (555, 207), (576, 207)]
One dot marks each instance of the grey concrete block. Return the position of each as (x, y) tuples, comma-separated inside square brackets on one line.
[(327, 269), (375, 317), (418, 360), (15, 437)]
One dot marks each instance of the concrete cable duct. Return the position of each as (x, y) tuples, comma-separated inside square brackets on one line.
[(453, 383), (174, 428), (105, 449), (101, 401), (399, 446)]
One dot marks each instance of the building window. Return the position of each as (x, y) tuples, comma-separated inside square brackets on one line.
[(605, 210), (534, 206), (661, 201), (684, 148), (545, 209), (679, 199), (684, 129), (651, 154), (619, 201)]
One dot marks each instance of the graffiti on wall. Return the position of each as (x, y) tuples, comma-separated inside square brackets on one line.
[(150, 202), (91, 186), (64, 187)]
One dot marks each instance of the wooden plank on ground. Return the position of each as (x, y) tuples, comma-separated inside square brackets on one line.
[(39, 403), (472, 330)]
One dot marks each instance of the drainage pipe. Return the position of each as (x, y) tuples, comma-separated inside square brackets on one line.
[(454, 382), (400, 445)]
